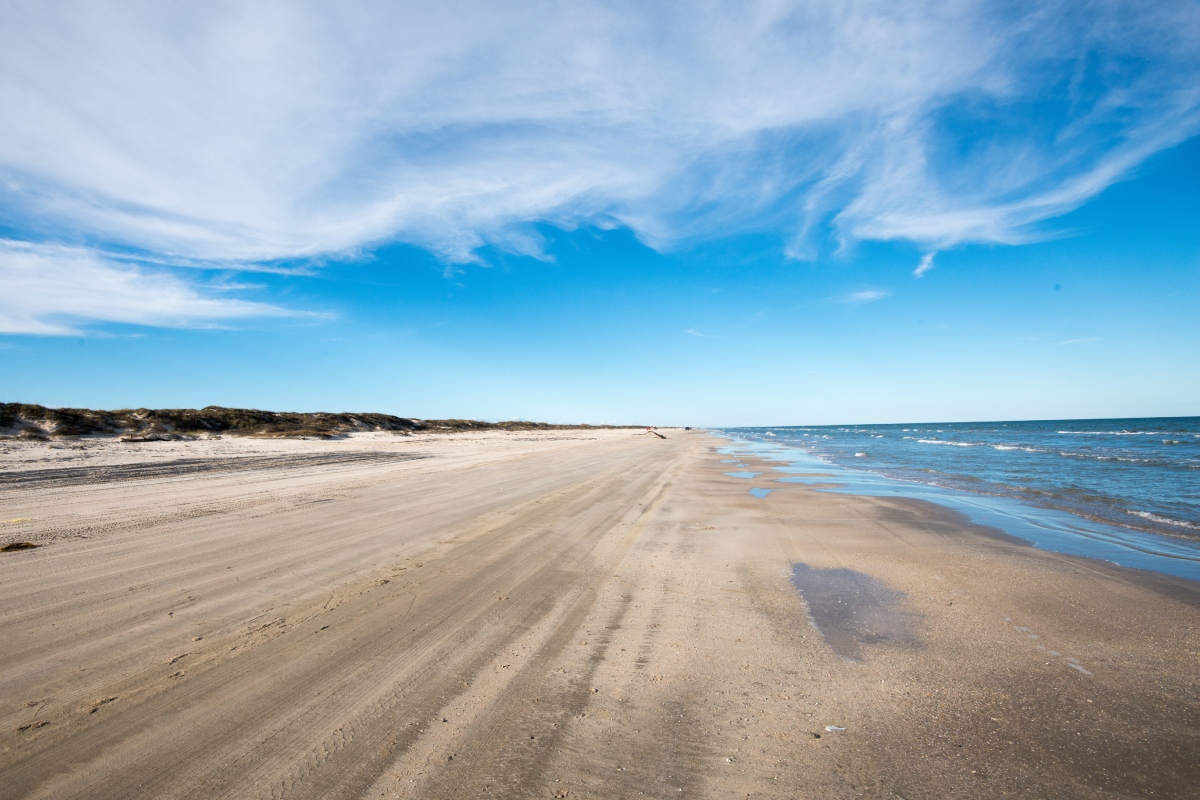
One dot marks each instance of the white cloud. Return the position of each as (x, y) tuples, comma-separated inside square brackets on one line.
[(699, 335), (925, 265), (52, 289), (1086, 340), (863, 296), (260, 131)]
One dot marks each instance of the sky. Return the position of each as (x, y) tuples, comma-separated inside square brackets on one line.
[(707, 214)]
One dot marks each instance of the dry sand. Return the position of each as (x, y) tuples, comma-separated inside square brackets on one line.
[(592, 614)]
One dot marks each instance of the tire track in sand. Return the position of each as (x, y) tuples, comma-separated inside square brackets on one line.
[(382, 662)]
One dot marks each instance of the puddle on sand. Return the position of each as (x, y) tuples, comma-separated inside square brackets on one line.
[(851, 609), (760, 493), (743, 474), (729, 461)]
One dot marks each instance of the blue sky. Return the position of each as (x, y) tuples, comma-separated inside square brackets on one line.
[(744, 214)]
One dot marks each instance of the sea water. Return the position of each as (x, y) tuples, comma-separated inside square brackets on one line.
[(1127, 490)]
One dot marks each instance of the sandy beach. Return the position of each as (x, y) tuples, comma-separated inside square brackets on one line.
[(590, 614)]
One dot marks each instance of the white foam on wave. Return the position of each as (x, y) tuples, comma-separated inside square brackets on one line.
[(1164, 520), (952, 444), (1106, 458), (1116, 433)]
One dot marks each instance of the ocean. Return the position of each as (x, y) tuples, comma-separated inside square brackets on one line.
[(1089, 487)]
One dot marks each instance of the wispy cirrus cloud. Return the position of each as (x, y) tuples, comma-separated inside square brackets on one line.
[(925, 265), (56, 290), (250, 133), (862, 296), (1085, 340), (699, 335)]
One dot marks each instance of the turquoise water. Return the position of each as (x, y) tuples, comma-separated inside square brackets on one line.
[(1127, 491)]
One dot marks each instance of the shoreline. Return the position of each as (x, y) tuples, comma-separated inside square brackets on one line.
[(957, 523), (583, 615), (1046, 528), (1177, 588)]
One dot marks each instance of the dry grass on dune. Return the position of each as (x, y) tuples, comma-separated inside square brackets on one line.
[(30, 421)]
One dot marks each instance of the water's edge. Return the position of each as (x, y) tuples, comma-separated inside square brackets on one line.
[(1043, 528)]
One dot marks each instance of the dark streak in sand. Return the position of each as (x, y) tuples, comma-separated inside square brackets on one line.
[(851, 609), (112, 473)]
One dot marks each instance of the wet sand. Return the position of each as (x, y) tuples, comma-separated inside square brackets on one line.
[(592, 614)]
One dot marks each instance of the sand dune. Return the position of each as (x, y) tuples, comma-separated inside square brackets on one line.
[(555, 614)]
